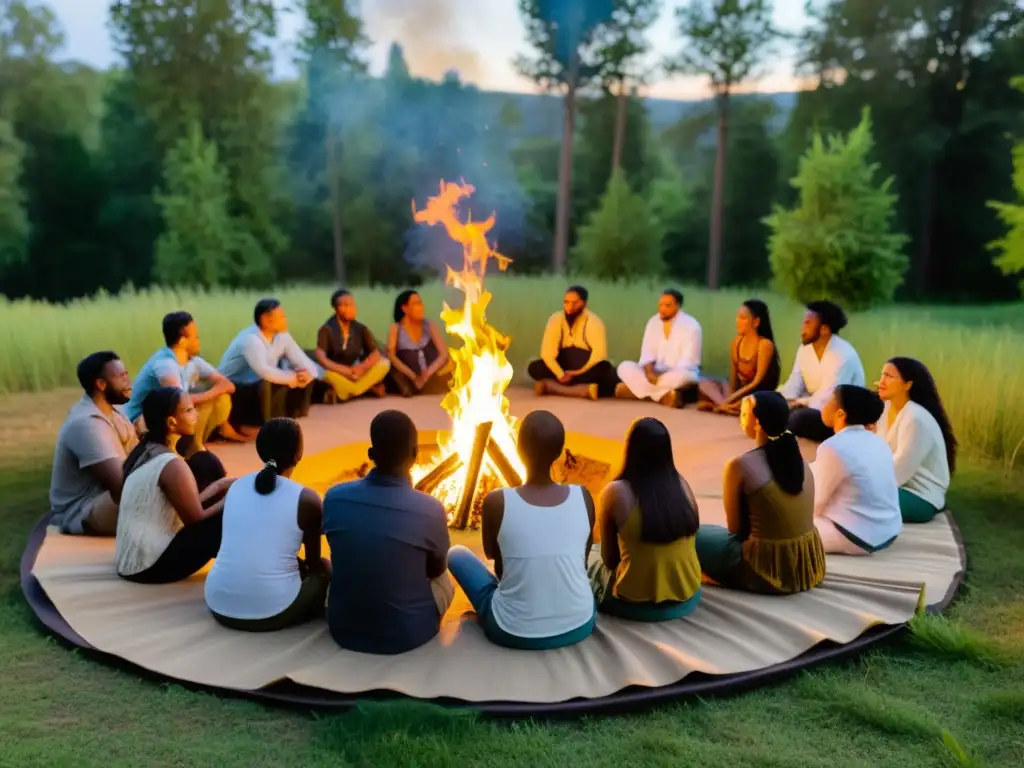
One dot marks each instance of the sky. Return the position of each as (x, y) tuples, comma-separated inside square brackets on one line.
[(438, 35)]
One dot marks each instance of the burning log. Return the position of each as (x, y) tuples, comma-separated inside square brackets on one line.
[(436, 476), (501, 462), (476, 463)]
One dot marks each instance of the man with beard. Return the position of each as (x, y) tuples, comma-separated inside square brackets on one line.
[(85, 487), (574, 352), (669, 355), (823, 362)]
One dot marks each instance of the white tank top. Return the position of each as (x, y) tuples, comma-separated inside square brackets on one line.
[(544, 590), (256, 573), (146, 519)]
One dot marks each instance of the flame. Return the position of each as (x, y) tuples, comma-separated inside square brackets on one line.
[(482, 372)]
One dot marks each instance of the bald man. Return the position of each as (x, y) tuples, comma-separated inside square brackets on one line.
[(389, 545), (542, 532)]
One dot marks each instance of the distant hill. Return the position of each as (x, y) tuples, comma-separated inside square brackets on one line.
[(542, 113)]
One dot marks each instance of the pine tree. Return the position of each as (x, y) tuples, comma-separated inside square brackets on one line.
[(1010, 247), (202, 244), (838, 242), (622, 238), (14, 225)]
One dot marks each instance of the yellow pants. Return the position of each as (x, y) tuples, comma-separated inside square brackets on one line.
[(346, 389), (210, 416)]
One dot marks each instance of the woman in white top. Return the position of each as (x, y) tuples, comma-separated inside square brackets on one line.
[(168, 527), (258, 583), (916, 427), (856, 500), (539, 536)]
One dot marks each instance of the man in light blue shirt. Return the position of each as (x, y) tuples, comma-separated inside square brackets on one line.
[(179, 365), (273, 377)]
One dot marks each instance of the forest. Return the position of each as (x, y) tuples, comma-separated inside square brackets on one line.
[(190, 164)]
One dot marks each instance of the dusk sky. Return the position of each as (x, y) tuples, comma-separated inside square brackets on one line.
[(437, 35)]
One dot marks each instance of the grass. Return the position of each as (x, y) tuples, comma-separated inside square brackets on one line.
[(948, 693), (974, 353)]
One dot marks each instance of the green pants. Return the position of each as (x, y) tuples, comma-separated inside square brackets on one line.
[(914, 509), (308, 605), (721, 559), (601, 582)]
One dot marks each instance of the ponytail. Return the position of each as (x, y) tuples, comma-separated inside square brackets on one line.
[(785, 462), (266, 478), (279, 444)]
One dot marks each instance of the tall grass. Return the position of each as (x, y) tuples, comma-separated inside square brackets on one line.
[(975, 354)]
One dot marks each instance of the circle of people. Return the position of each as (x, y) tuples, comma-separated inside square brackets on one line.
[(131, 462)]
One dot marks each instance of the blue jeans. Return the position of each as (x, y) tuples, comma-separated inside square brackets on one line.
[(479, 584)]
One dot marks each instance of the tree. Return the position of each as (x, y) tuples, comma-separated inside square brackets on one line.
[(209, 62), (672, 204), (727, 41), (1011, 246), (562, 34), (621, 239), (622, 42), (202, 243), (332, 47), (839, 241), (14, 226), (936, 75)]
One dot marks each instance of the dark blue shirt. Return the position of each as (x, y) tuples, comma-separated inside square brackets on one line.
[(387, 540)]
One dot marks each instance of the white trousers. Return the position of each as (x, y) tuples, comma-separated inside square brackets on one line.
[(833, 540), (632, 375)]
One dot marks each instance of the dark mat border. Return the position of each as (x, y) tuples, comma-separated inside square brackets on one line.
[(628, 700)]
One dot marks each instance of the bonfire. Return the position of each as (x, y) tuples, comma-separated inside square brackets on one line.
[(479, 452)]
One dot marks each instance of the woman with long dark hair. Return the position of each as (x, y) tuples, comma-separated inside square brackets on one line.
[(753, 362), (168, 527), (917, 429), (647, 520), (420, 364), (258, 583), (769, 544)]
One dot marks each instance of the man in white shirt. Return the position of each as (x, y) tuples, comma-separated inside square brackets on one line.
[(272, 375), (574, 352), (856, 499), (669, 355), (823, 362)]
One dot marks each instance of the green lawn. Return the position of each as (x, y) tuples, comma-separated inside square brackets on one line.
[(953, 694)]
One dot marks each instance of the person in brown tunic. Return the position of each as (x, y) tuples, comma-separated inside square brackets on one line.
[(770, 544), (348, 352), (753, 362)]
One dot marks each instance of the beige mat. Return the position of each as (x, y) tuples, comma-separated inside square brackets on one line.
[(166, 629)]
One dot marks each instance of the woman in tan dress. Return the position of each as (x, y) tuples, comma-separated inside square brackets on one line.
[(770, 544), (753, 362)]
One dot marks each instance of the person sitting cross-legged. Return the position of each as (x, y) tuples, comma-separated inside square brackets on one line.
[(823, 362), (770, 544), (168, 527), (648, 570), (856, 498), (669, 356), (255, 363), (389, 545), (87, 475), (539, 536), (178, 364), (574, 352), (918, 431), (348, 352), (753, 362), (420, 364), (258, 583)]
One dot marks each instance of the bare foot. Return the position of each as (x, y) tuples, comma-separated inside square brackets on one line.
[(671, 400), (623, 392), (540, 388), (229, 433), (378, 390)]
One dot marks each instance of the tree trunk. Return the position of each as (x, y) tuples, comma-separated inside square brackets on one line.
[(621, 107), (332, 180), (565, 170), (718, 196)]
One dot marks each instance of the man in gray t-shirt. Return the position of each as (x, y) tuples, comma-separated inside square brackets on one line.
[(94, 441)]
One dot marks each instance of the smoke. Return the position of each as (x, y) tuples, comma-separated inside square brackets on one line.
[(431, 32)]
